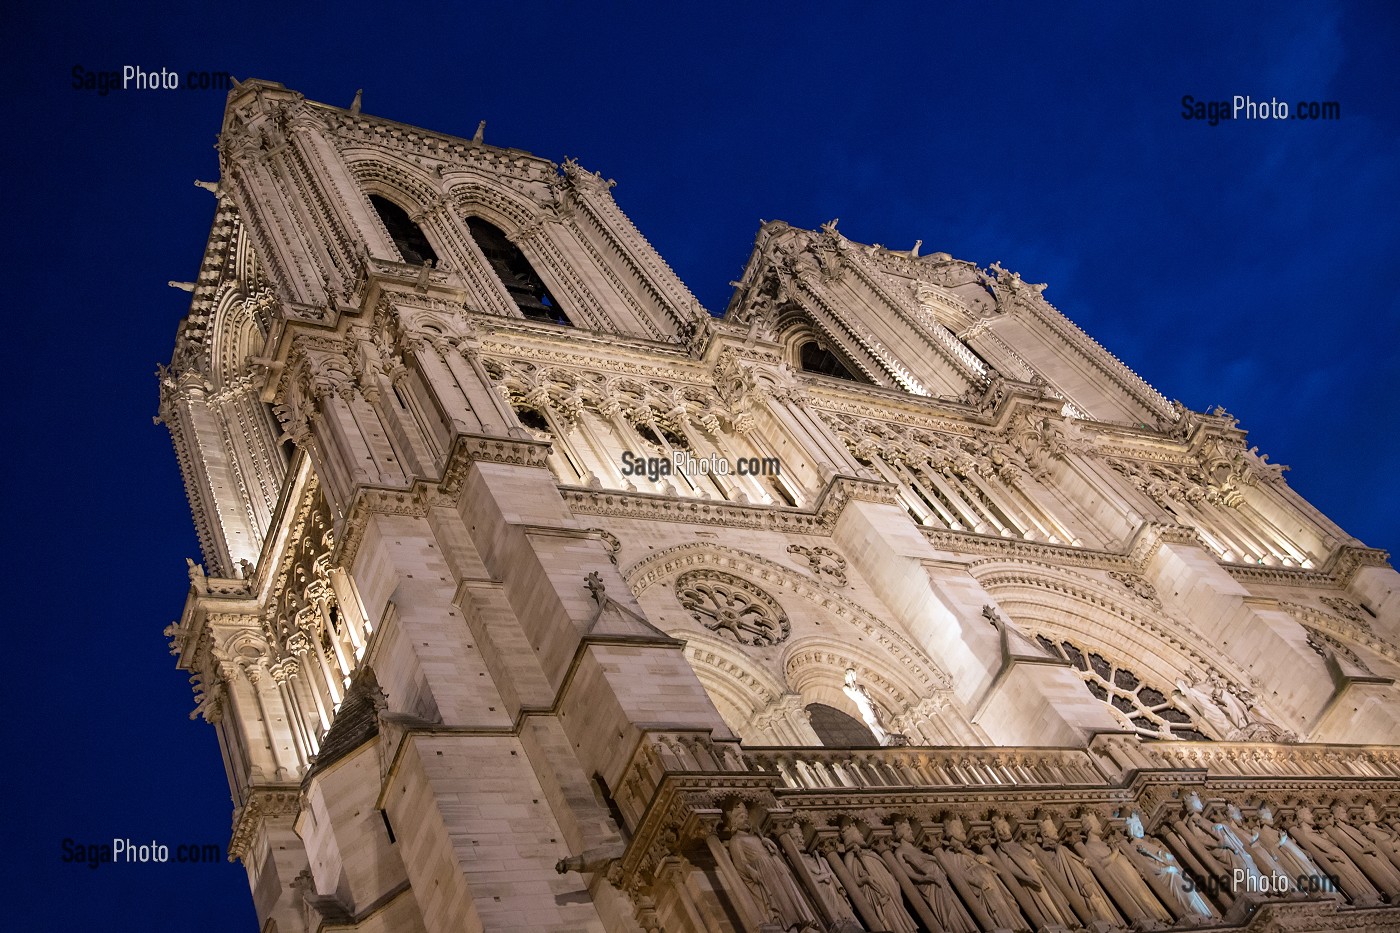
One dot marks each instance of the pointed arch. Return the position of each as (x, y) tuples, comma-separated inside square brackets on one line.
[(1044, 598), (741, 688), (517, 274), (784, 583), (409, 238)]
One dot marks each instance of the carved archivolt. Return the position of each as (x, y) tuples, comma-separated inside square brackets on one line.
[(730, 606), (815, 667), (1086, 609), (663, 565), (731, 675)]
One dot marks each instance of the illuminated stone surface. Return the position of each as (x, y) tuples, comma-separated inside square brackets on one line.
[(447, 638)]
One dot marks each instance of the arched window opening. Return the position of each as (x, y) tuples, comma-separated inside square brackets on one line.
[(534, 420), (526, 288), (407, 236), (665, 438), (814, 358), (839, 730)]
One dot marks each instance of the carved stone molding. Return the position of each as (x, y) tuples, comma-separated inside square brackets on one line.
[(263, 803), (822, 561)]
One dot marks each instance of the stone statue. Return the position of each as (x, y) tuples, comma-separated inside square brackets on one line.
[(1216, 844), (870, 711), (1332, 860), (1116, 873), (1229, 714), (1199, 701), (928, 876), (1385, 839), (1086, 897), (1156, 864), (1040, 897), (829, 889), (973, 874), (1336, 825), (1286, 853), (879, 887), (766, 874), (1247, 830)]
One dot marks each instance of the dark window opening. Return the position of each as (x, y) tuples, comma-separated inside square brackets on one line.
[(526, 288), (782, 493), (671, 438), (388, 827), (407, 235), (838, 730), (534, 420), (817, 359)]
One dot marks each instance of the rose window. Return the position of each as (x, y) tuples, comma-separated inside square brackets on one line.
[(1144, 709), (733, 607)]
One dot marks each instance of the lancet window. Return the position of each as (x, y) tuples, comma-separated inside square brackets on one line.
[(408, 237), (520, 279), (815, 358)]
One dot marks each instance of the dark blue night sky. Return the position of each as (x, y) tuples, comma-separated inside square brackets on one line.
[(1248, 264)]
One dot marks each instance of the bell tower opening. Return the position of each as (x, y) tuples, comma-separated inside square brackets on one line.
[(815, 358), (412, 244), (525, 286)]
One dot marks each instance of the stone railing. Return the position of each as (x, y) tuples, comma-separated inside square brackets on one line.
[(1251, 759), (815, 768), (662, 753)]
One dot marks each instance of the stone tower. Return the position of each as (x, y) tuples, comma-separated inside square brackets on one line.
[(534, 597)]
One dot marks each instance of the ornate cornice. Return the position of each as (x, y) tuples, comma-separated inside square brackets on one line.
[(263, 803), (819, 520), (1337, 572)]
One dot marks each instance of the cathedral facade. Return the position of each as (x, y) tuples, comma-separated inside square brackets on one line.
[(534, 597)]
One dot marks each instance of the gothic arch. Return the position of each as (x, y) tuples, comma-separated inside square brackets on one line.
[(740, 687), (1061, 604), (798, 327), (509, 210), (780, 581), (404, 183), (815, 666), (1041, 596), (237, 337)]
